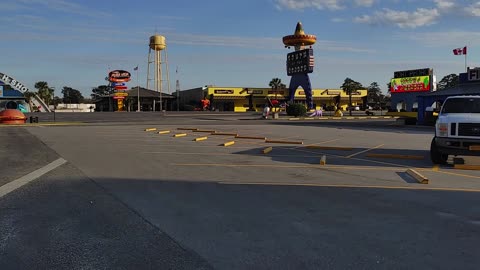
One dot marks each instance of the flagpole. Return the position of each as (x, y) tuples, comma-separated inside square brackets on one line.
[(466, 59), (138, 93)]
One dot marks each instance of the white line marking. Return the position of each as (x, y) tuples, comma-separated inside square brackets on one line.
[(9, 187), (361, 152)]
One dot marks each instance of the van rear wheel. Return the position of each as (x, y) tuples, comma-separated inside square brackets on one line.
[(436, 156)]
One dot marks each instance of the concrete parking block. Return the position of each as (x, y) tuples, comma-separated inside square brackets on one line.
[(180, 135), (150, 129), (164, 132), (228, 143), (192, 129), (205, 131), (225, 133), (200, 139), (267, 150), (323, 160), (417, 176), (251, 137)]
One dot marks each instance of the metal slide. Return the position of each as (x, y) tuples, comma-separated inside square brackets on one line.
[(37, 101)]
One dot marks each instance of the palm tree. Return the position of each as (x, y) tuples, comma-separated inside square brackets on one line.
[(44, 91), (275, 84), (350, 86)]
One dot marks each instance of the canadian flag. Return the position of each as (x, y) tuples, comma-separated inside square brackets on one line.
[(460, 51)]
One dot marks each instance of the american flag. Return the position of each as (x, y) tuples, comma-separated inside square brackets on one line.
[(460, 51), (311, 61)]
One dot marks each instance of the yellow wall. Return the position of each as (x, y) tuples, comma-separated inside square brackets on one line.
[(320, 96)]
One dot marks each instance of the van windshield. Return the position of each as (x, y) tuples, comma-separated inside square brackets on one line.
[(461, 105)]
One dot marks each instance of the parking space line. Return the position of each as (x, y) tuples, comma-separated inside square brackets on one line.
[(394, 156), (312, 166), (456, 174), (361, 152), (15, 184), (360, 159)]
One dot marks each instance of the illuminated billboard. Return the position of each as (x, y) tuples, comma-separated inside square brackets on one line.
[(410, 84)]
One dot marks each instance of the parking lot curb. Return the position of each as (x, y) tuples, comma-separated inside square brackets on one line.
[(200, 139), (323, 160), (267, 150), (228, 143), (417, 176), (251, 137)]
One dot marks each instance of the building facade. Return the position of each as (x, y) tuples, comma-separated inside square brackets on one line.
[(149, 101), (243, 99)]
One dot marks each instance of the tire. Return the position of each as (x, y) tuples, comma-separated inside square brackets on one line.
[(436, 156)]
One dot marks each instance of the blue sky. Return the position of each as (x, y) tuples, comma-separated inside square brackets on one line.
[(233, 43)]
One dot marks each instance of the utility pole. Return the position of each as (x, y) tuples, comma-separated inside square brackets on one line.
[(177, 90)]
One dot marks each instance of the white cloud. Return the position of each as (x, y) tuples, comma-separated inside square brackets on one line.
[(445, 4), (305, 4), (322, 4), (421, 16), (62, 6), (473, 9), (337, 20), (403, 19), (364, 3)]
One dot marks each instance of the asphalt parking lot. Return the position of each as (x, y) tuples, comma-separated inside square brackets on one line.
[(252, 204)]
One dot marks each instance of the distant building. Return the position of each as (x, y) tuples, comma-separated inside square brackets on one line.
[(149, 101), (242, 99)]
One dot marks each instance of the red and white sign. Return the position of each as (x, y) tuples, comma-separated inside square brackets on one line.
[(121, 87), (117, 97), (119, 76)]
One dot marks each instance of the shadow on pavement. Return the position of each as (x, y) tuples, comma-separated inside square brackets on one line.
[(303, 155)]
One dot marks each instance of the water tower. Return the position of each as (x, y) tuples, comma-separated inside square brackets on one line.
[(158, 45)]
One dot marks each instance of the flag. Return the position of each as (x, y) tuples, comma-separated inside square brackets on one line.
[(135, 68), (460, 51)]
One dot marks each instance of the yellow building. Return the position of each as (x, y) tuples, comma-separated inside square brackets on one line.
[(242, 99)]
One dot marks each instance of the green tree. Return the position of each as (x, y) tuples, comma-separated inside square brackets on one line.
[(374, 93), (275, 84), (44, 91), (448, 81), (350, 86), (56, 101), (71, 95), (101, 90)]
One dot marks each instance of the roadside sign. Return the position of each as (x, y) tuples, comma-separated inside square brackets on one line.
[(121, 87), (120, 94), (117, 97), (118, 84)]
